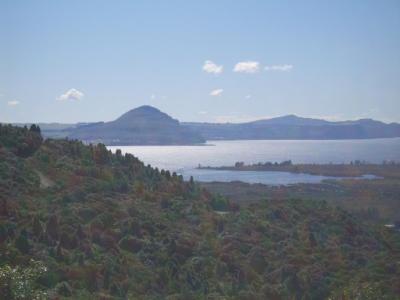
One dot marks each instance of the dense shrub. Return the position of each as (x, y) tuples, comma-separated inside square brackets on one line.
[(111, 227)]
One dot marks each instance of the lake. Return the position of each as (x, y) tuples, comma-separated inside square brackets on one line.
[(185, 159)]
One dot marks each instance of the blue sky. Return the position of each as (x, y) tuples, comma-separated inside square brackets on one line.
[(69, 61)]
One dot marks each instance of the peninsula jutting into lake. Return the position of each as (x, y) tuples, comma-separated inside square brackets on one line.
[(387, 169)]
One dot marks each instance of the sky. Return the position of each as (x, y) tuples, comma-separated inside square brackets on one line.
[(212, 61)]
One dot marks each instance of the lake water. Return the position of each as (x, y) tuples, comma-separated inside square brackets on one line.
[(185, 159)]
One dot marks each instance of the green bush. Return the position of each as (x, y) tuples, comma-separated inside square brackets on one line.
[(22, 282), (219, 203)]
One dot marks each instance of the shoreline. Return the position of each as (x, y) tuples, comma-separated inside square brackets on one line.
[(357, 169)]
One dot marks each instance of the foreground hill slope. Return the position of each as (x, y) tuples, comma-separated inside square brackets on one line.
[(144, 125), (79, 222), (293, 127)]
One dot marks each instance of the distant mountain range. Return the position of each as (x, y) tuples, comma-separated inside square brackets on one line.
[(296, 128), (147, 125)]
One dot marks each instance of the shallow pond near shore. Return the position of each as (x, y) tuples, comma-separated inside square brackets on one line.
[(264, 177)]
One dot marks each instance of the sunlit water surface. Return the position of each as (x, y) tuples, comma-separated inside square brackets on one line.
[(185, 159)]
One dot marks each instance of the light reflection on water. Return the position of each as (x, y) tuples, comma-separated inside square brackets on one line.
[(185, 159)]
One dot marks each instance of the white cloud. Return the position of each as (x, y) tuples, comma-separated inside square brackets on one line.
[(202, 112), (247, 67), (211, 67), (71, 94), (216, 92), (282, 68), (248, 97), (13, 103)]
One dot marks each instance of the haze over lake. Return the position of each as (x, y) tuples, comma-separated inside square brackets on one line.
[(185, 159)]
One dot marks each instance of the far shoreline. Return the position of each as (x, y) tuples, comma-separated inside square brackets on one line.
[(386, 169)]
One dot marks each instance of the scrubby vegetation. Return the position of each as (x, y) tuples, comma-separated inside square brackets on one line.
[(106, 226), (387, 169)]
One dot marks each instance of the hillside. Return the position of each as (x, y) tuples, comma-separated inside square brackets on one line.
[(80, 222), (293, 127), (144, 125)]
